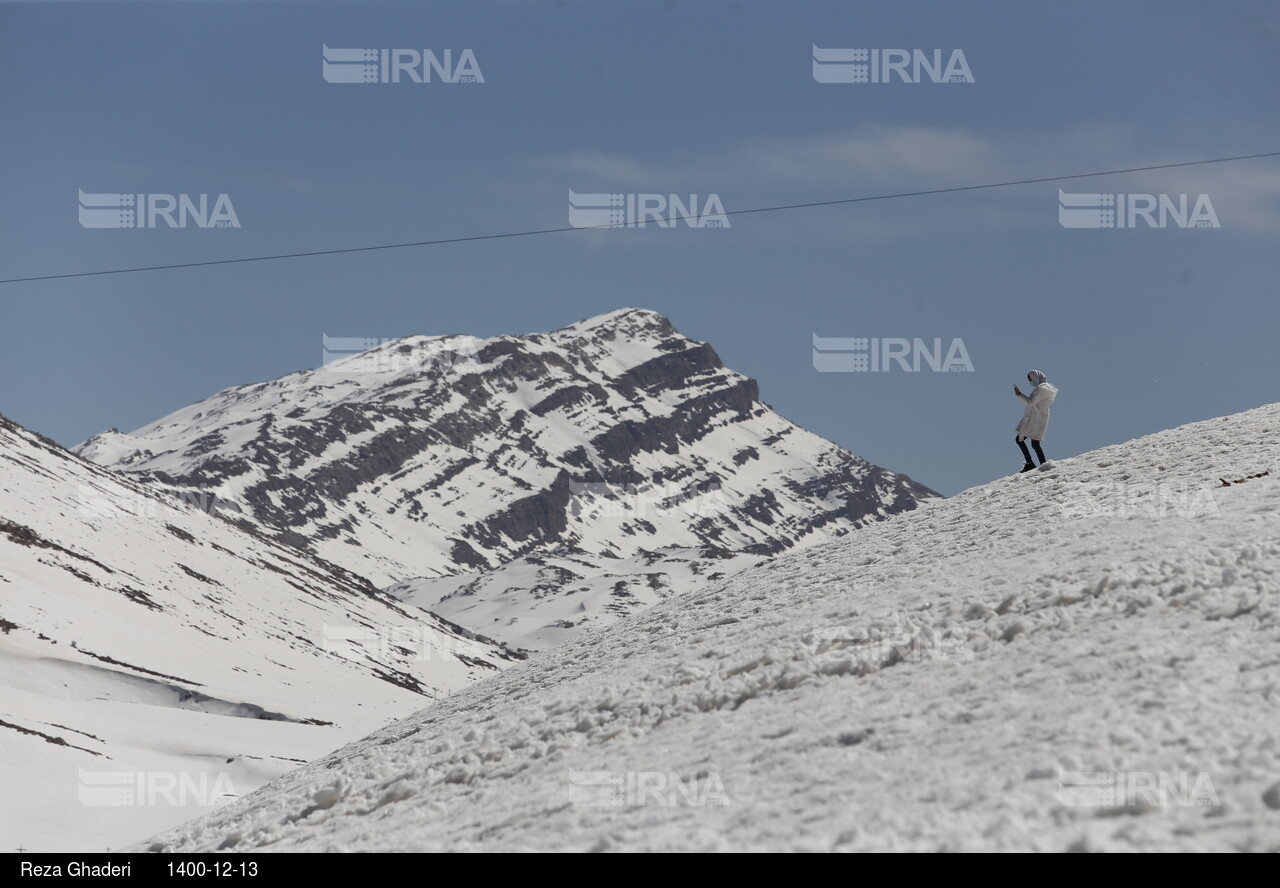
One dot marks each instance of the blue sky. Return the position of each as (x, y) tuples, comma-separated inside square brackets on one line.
[(1141, 329)]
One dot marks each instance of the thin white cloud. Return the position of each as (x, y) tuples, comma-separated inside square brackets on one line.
[(879, 159)]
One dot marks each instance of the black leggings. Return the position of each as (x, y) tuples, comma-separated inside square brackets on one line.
[(1026, 453)]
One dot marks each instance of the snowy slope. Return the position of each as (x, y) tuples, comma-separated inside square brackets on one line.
[(539, 601), (431, 456), (933, 682), (140, 634)]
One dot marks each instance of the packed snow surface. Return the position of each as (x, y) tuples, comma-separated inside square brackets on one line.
[(1085, 657)]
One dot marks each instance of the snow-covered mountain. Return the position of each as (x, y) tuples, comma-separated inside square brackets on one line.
[(1079, 658), (434, 456), (143, 636)]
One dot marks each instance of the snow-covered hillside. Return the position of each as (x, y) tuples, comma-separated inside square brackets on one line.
[(1083, 657), (539, 601), (140, 635), (432, 456)]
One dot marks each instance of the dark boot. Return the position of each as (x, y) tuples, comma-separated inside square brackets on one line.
[(1028, 467), (1026, 454)]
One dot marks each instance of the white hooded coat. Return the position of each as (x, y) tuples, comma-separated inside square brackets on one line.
[(1035, 421)]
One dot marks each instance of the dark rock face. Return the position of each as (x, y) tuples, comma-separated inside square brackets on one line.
[(431, 456)]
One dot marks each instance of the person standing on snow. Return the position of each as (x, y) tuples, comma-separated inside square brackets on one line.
[(1036, 418)]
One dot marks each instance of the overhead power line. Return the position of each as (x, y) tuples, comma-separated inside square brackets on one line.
[(537, 231)]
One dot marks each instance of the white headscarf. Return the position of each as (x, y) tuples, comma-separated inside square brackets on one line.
[(1037, 377)]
